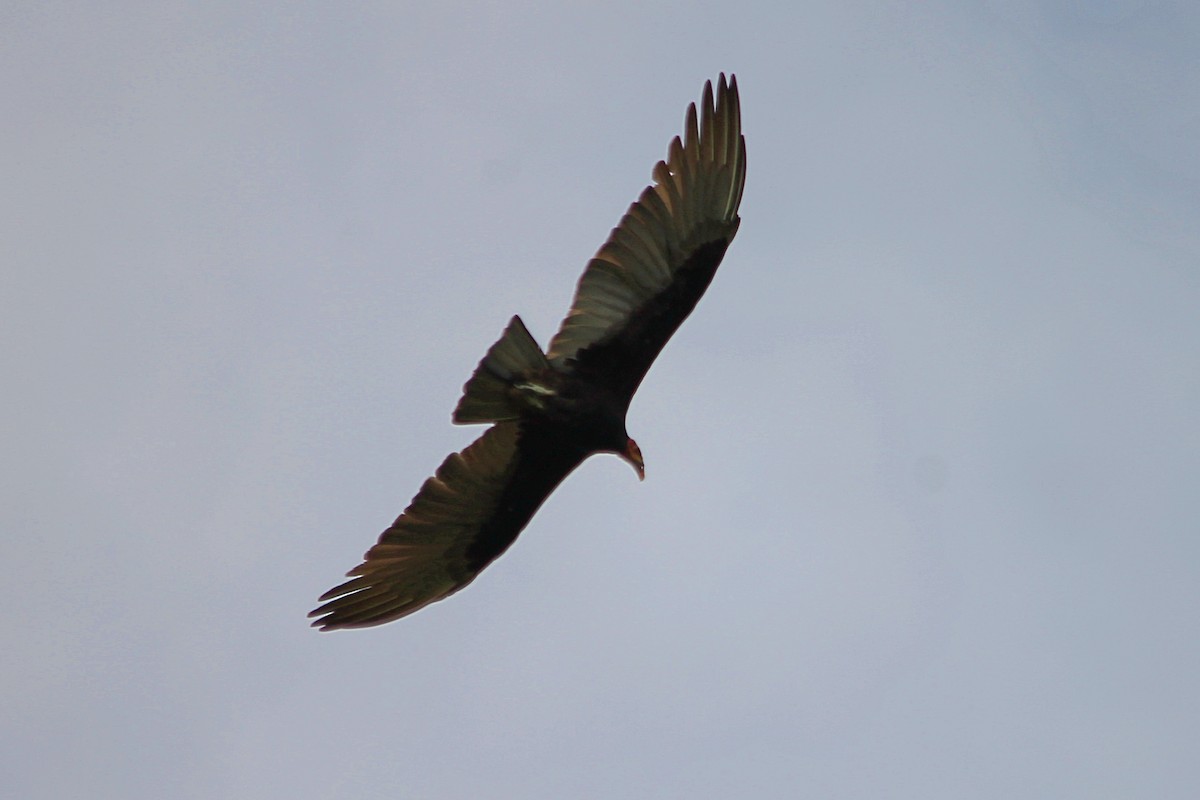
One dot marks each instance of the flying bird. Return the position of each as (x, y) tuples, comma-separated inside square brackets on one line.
[(550, 410)]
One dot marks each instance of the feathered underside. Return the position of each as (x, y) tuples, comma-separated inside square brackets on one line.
[(633, 295)]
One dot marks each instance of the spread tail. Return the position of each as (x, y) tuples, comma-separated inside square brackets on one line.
[(489, 395)]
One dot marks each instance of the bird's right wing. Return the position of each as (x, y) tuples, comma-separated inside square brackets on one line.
[(435, 547)]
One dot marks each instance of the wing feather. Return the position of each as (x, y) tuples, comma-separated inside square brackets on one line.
[(424, 556), (691, 206)]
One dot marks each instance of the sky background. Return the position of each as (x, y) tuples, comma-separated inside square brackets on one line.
[(921, 510)]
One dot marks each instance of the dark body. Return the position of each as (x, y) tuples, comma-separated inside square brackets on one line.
[(550, 411), (598, 385), (549, 450)]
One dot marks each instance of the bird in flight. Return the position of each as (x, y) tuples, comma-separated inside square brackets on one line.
[(550, 410)]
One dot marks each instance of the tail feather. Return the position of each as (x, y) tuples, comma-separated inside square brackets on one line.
[(488, 396)]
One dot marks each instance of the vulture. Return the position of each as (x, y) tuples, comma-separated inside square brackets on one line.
[(548, 411)]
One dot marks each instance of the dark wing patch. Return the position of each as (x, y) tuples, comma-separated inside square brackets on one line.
[(692, 205), (423, 556)]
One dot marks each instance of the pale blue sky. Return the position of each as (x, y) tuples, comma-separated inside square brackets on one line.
[(920, 517)]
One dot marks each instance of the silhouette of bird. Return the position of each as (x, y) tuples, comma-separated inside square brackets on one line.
[(550, 411)]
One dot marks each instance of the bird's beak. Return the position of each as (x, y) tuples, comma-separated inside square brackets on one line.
[(633, 454)]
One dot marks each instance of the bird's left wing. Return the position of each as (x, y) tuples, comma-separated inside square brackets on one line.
[(658, 261), (436, 547)]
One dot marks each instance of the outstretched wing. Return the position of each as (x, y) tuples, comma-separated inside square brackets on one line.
[(656, 264), (461, 520)]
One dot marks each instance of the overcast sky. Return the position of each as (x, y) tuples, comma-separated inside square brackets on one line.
[(921, 511)]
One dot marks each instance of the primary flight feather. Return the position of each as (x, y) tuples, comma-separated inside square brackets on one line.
[(550, 411)]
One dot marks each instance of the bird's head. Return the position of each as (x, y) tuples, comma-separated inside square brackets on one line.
[(633, 454)]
